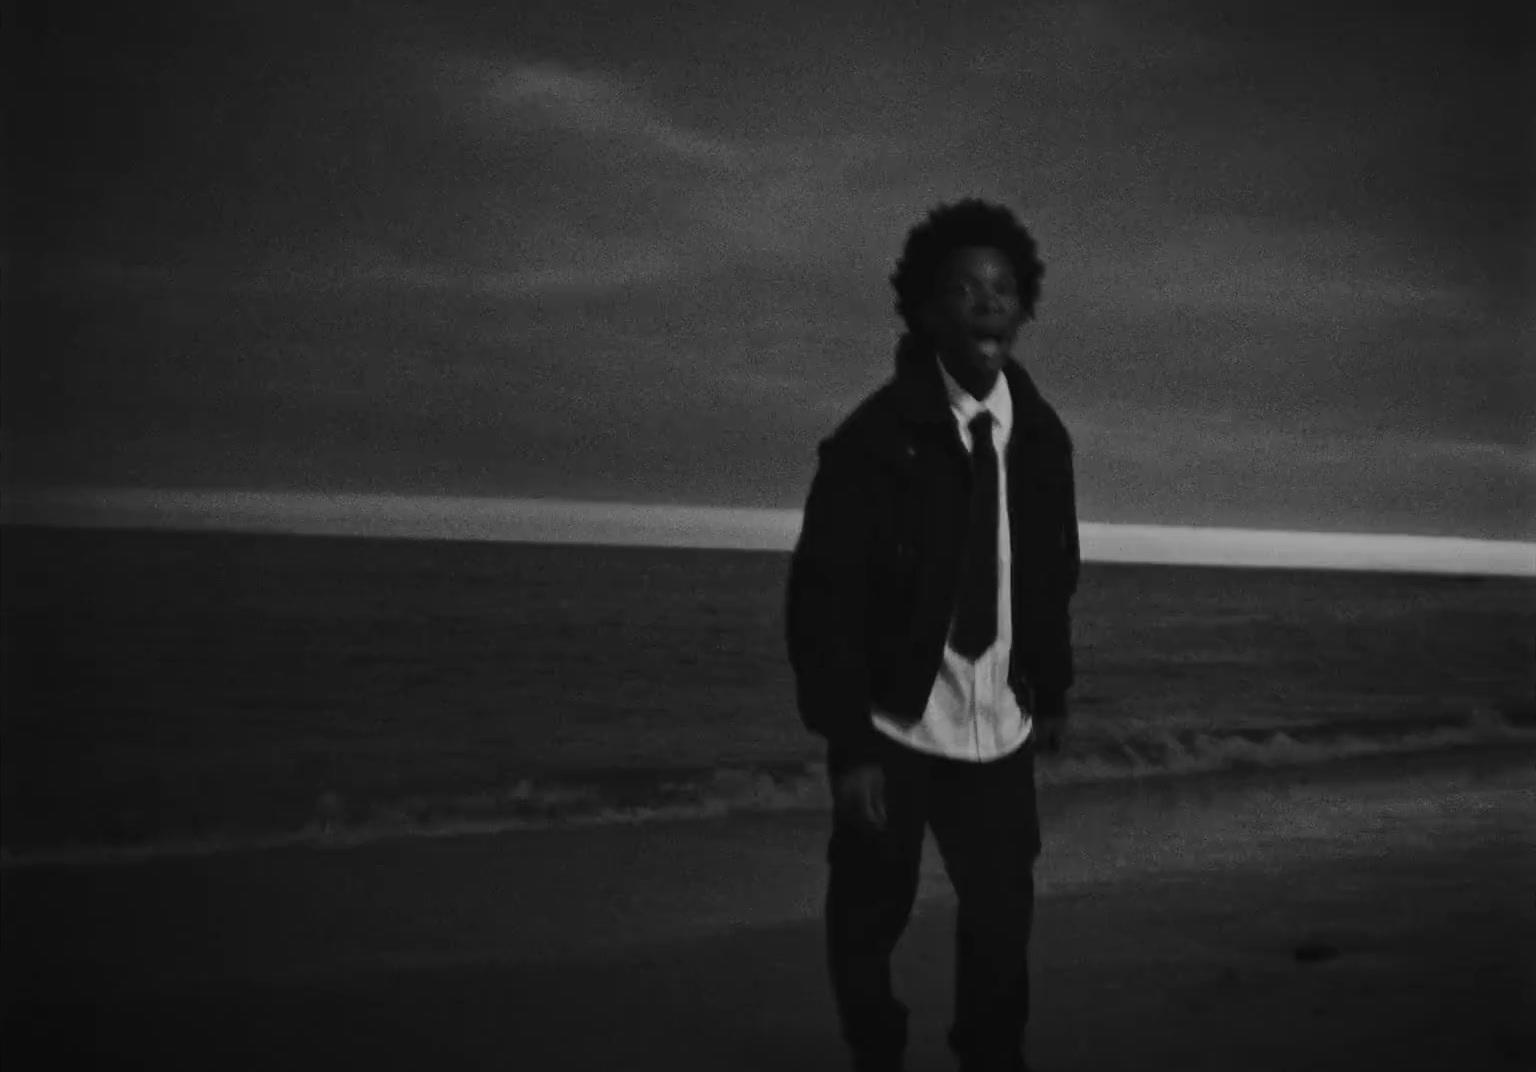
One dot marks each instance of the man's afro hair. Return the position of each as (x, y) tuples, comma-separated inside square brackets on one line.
[(969, 222)]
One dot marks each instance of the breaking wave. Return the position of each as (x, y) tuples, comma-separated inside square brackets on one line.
[(585, 798)]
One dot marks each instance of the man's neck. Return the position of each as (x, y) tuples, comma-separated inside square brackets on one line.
[(976, 384)]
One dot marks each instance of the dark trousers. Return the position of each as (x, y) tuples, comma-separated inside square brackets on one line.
[(985, 822)]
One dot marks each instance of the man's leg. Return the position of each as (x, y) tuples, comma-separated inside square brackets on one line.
[(870, 892), (985, 821)]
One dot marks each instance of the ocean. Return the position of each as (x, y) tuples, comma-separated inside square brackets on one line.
[(171, 691)]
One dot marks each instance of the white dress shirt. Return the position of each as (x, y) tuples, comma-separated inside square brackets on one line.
[(972, 713)]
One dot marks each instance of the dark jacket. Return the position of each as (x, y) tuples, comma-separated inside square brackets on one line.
[(875, 573)]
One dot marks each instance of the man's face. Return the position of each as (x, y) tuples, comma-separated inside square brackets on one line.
[(974, 315)]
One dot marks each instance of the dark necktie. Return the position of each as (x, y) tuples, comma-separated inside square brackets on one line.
[(976, 615)]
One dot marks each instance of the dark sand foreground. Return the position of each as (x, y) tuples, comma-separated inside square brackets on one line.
[(1361, 916)]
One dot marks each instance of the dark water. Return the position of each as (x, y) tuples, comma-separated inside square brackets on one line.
[(172, 685)]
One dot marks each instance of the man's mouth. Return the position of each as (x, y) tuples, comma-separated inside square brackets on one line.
[(990, 344)]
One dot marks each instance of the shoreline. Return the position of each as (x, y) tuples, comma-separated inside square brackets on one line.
[(1381, 919), (1067, 775), (1128, 782)]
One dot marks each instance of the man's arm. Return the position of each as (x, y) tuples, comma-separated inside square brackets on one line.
[(827, 606), (1055, 671)]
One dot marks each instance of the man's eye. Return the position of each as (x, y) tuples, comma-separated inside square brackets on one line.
[(973, 293)]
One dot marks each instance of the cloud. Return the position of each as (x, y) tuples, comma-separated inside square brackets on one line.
[(1234, 264), (575, 265), (1189, 436), (1218, 467), (580, 266), (553, 181), (591, 103), (715, 199), (1078, 45)]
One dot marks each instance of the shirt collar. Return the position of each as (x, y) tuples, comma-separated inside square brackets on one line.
[(966, 408)]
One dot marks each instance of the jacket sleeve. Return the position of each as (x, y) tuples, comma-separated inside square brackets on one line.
[(1054, 672), (827, 605)]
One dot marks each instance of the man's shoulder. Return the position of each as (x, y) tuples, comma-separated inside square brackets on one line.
[(1032, 410), (873, 427), (884, 422), (1056, 428)]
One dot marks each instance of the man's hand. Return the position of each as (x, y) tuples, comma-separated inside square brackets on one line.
[(860, 792), (1050, 724)]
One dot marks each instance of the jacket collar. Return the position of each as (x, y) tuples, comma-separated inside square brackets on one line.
[(921, 398)]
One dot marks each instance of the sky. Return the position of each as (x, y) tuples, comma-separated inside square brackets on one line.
[(639, 253)]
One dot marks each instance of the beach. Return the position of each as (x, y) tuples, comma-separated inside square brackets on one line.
[(280, 802), (1362, 914)]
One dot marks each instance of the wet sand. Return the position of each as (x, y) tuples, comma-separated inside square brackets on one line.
[(1366, 915)]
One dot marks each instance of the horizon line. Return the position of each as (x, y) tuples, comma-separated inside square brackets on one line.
[(543, 520)]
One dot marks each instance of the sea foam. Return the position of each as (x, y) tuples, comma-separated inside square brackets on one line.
[(616, 797)]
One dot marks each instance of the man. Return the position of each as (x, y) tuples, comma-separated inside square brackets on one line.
[(929, 631)]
